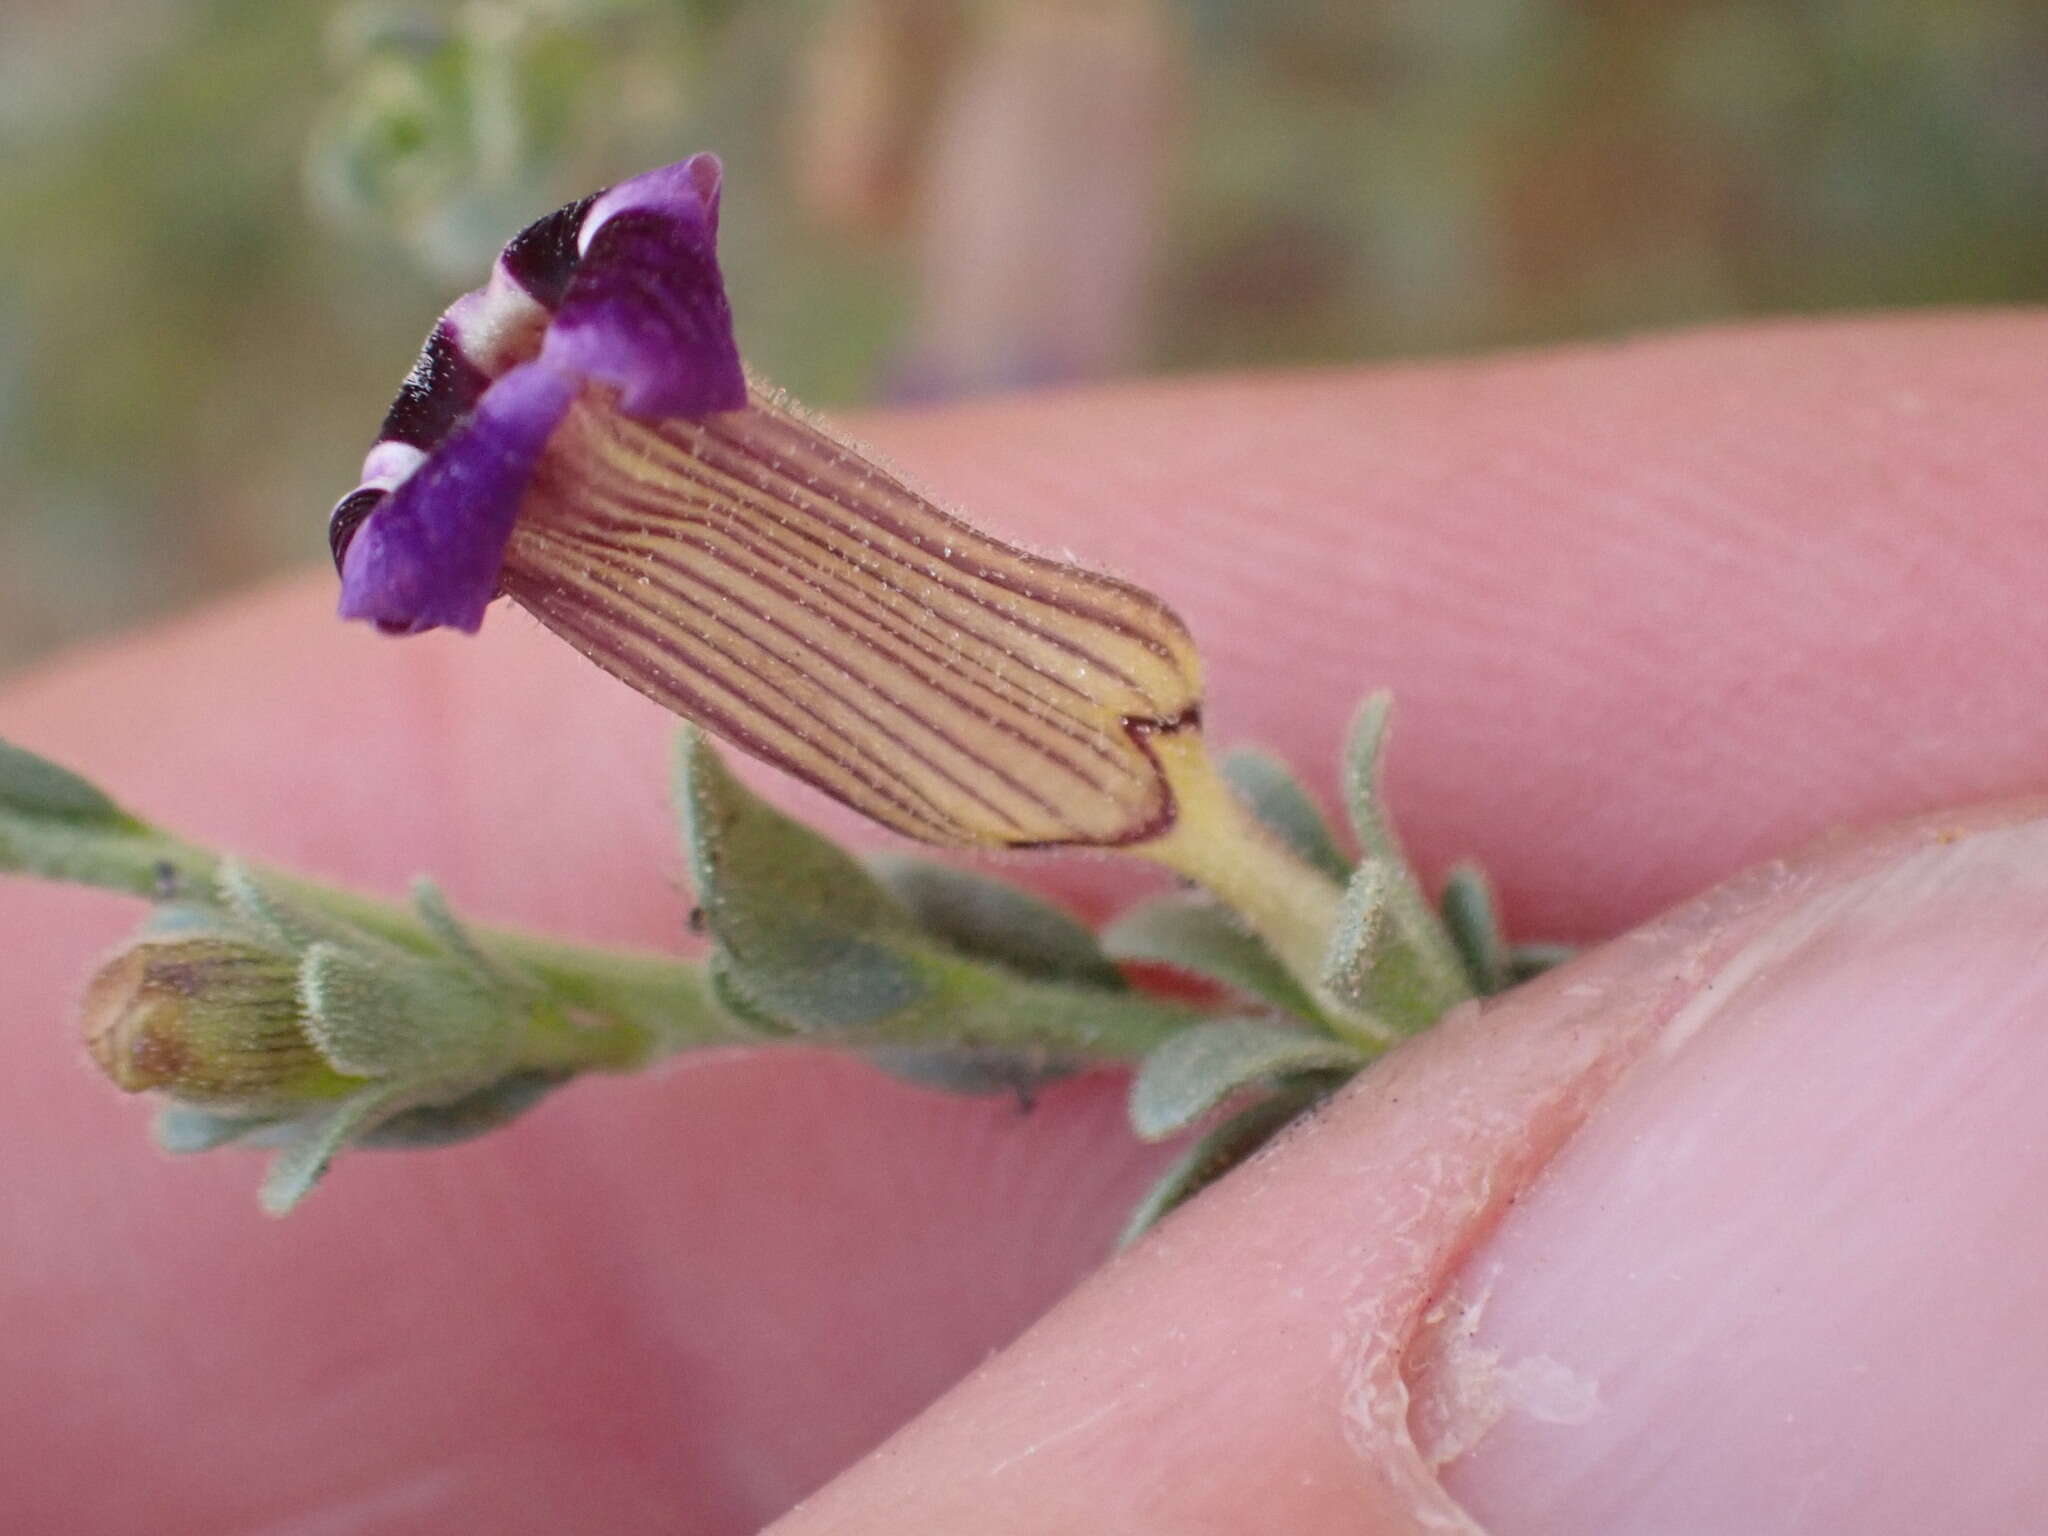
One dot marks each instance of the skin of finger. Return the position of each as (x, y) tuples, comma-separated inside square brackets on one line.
[(1490, 540), (1286, 1355)]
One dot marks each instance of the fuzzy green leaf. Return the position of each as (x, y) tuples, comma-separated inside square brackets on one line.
[(988, 919), (1276, 797), (1226, 1147), (296, 1169), (1390, 956), (1193, 932), (810, 940), (1365, 751), (971, 1070), (1359, 937), (55, 825), (751, 863), (816, 978), (798, 921), (381, 1017), (262, 902), (730, 992), (1475, 929), (1202, 1066), (1526, 961), (460, 945), (463, 1119), (182, 1128), (1383, 962), (35, 787)]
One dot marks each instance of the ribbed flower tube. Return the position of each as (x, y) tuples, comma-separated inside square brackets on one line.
[(579, 435)]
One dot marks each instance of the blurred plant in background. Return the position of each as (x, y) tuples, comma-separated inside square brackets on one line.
[(225, 216)]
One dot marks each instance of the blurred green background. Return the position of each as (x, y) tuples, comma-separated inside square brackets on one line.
[(228, 224)]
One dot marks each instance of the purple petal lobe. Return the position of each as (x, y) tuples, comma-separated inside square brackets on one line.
[(646, 310), (688, 187), (428, 555)]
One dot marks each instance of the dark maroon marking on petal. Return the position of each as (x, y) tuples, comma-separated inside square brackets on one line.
[(839, 597), (768, 538), (542, 257), (853, 574), (774, 466), (1141, 733), (646, 312), (757, 470), (597, 557), (828, 603), (572, 608), (628, 566), (583, 626), (758, 476), (774, 510), (772, 462), (443, 387), (573, 621), (348, 516)]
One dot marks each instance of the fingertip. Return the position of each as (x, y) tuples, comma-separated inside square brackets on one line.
[(1788, 1278)]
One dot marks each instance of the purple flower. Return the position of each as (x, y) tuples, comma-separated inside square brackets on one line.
[(579, 435)]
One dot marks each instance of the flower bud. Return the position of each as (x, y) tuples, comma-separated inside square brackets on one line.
[(206, 1019)]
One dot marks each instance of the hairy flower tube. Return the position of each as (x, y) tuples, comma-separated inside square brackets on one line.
[(579, 435)]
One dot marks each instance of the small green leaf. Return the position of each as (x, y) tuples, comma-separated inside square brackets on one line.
[(36, 787), (975, 1009), (1277, 799), (1475, 929), (55, 825), (295, 1170), (751, 863), (797, 919), (1226, 1147), (1384, 962), (1364, 761), (439, 919), (1359, 938), (390, 1017), (808, 939), (988, 919), (474, 1114), (182, 1129), (1391, 956), (1193, 932), (730, 993), (1530, 960), (818, 978), (970, 1070), (1202, 1066), (260, 902)]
